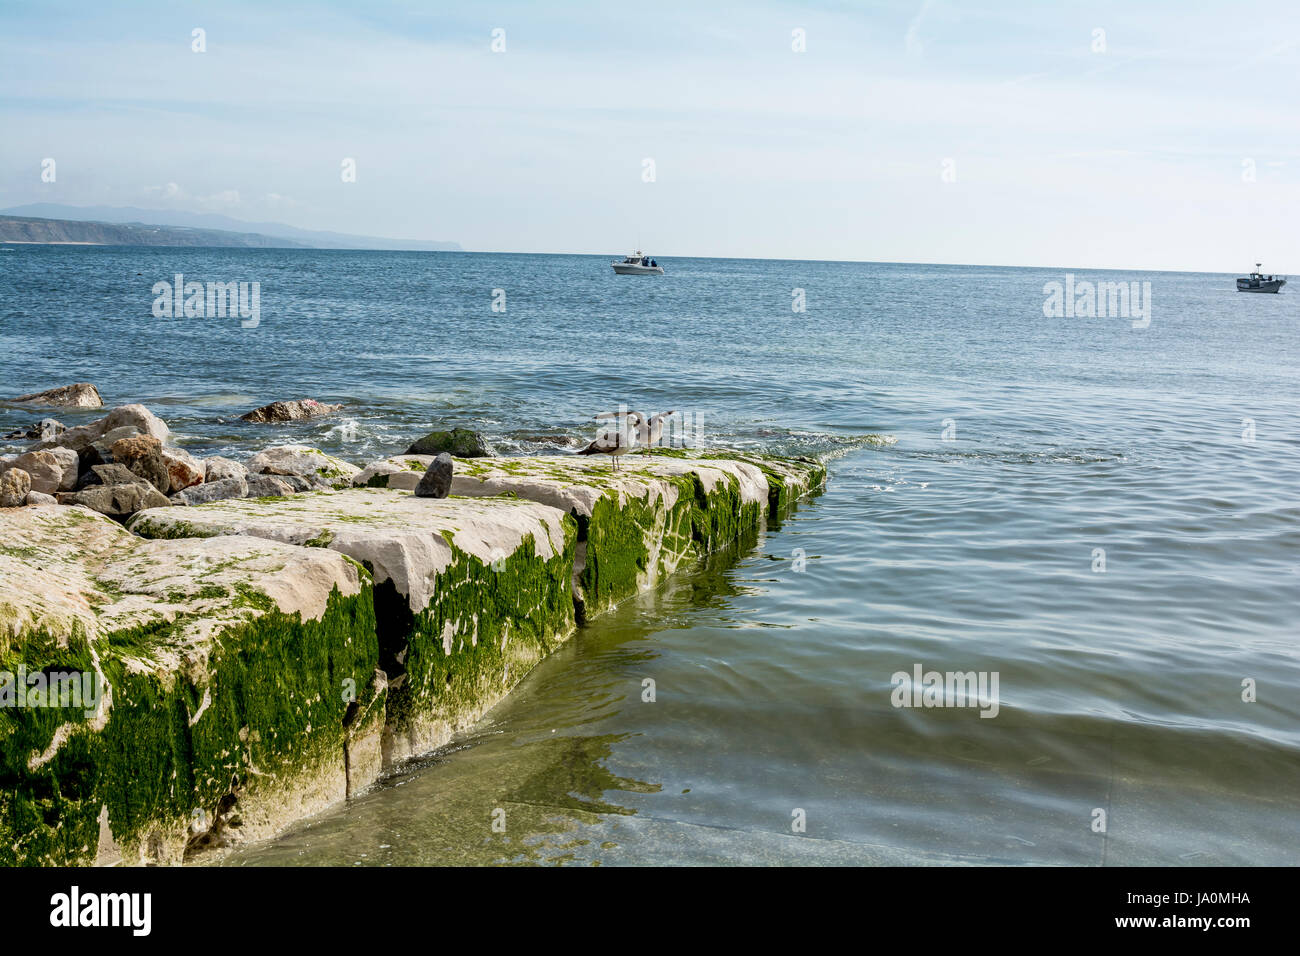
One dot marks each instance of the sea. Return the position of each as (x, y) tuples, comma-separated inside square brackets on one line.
[(1090, 518)]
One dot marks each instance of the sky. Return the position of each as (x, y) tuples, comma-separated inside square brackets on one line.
[(1153, 135)]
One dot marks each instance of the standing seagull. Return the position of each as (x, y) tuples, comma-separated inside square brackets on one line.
[(650, 433), (615, 440)]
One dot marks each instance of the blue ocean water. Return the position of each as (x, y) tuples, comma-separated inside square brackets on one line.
[(1028, 450)]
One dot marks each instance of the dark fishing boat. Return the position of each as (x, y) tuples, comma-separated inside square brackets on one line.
[(1255, 282)]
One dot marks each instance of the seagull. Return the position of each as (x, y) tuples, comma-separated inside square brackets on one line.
[(650, 433), (614, 440)]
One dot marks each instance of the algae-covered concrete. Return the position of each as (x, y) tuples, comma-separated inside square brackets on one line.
[(263, 658), (470, 594), (661, 508), (208, 687)]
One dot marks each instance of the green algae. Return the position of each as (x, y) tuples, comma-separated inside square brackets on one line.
[(267, 703), (488, 624)]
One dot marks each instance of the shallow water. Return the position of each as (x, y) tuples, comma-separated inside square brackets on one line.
[(1024, 444)]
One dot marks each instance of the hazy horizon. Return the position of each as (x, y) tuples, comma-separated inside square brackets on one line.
[(927, 132)]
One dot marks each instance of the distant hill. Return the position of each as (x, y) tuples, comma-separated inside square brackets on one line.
[(290, 236), (28, 229)]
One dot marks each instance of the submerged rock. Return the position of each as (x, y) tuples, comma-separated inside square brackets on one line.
[(14, 487), (289, 411), (304, 462), (436, 482), (460, 442), (79, 395)]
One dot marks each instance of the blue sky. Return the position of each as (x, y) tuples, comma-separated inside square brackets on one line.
[(1128, 158)]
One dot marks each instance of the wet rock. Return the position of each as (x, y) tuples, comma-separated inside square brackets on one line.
[(78, 395), (211, 491), (219, 469), (460, 442), (44, 430), (116, 501), (320, 469), (267, 486), (289, 411), (14, 487), (436, 482), (37, 498), (564, 441), (77, 438), (183, 469), (142, 455)]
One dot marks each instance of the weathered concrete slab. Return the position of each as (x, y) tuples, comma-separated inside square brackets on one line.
[(219, 680), (658, 510), (470, 594)]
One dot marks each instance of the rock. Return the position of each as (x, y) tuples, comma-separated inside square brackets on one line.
[(662, 509), (116, 501), (14, 487), (218, 469), (138, 417), (472, 594), (304, 462), (564, 441), (46, 469), (299, 483), (183, 469), (142, 455), (289, 411), (77, 438), (436, 482), (38, 498), (267, 486), (114, 473), (207, 659), (211, 491), (96, 453), (110, 438), (80, 395), (402, 472), (460, 442), (44, 430)]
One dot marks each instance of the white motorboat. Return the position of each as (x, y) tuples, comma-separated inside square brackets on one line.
[(638, 265)]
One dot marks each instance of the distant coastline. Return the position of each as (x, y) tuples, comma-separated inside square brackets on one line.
[(139, 227)]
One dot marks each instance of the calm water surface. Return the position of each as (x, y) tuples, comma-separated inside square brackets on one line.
[(1174, 449)]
